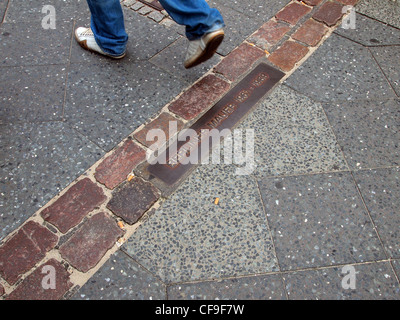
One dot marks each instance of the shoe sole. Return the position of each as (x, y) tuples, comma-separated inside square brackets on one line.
[(208, 51), (83, 44)]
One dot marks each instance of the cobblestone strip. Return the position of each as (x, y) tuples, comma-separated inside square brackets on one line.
[(73, 235), (161, 17)]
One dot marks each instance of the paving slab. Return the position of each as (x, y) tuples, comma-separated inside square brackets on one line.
[(381, 192), (387, 11), (374, 281), (341, 70), (292, 136), (318, 220), (396, 267), (3, 8), (370, 32), (388, 60), (38, 161), (121, 278), (191, 238), (32, 93), (106, 101), (22, 44), (268, 287), (367, 131), (31, 11), (258, 9)]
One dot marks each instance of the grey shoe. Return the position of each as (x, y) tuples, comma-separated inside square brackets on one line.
[(202, 49)]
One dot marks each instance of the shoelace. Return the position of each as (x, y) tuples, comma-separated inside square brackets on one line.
[(88, 32)]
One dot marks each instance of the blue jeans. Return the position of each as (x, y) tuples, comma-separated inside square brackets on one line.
[(107, 21)]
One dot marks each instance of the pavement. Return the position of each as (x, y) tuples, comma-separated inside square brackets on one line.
[(318, 215)]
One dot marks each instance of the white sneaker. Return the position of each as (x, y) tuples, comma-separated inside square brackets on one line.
[(86, 40), (202, 49)]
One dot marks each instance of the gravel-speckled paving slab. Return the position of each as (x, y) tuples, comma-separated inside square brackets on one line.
[(387, 11), (319, 220), (381, 193), (370, 32), (121, 278), (341, 70), (292, 136), (191, 238), (367, 131), (268, 287), (375, 281)]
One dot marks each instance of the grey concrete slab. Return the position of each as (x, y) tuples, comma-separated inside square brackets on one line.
[(341, 70), (268, 287), (171, 59), (318, 220), (146, 39), (32, 93), (370, 32), (32, 10), (367, 131), (37, 162), (24, 44), (381, 192), (191, 238), (259, 9), (3, 8), (108, 100), (121, 278), (292, 136), (388, 60), (396, 267), (387, 11), (374, 281)]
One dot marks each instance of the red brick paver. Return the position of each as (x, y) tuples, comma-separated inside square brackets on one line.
[(239, 61), (348, 2), (329, 13), (74, 205), (311, 32), (162, 122), (288, 55), (50, 281), (24, 249), (133, 199), (312, 2), (199, 97), (89, 244), (115, 168), (269, 34), (293, 12)]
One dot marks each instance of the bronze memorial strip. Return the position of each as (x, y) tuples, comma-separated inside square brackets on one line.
[(225, 114)]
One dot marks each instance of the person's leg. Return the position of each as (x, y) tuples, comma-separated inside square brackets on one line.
[(196, 15), (107, 25), (203, 28)]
